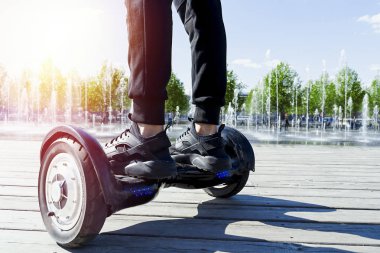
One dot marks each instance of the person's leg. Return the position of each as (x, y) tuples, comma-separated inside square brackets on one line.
[(203, 22), (150, 40), (143, 149), (202, 144)]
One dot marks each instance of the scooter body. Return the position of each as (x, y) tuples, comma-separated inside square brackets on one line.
[(77, 189)]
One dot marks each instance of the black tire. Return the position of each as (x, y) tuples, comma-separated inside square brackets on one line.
[(86, 202), (241, 153)]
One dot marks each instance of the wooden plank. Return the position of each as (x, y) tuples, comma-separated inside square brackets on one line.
[(346, 194), (211, 229), (267, 180), (9, 172), (310, 198), (20, 241), (257, 213), (30, 203), (297, 175)]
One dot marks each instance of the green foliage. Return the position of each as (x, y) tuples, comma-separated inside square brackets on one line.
[(253, 102), (106, 89), (95, 100), (322, 95), (283, 76), (3, 92), (51, 79), (176, 96), (46, 77), (330, 89), (374, 93), (232, 85), (248, 102), (112, 82), (349, 78)]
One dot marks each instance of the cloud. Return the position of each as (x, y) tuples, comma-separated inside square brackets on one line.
[(269, 62), (373, 20), (375, 67), (248, 63)]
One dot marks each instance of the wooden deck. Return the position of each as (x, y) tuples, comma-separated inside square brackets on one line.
[(300, 199)]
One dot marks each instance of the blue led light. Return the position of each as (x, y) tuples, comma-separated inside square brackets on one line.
[(143, 191), (223, 174)]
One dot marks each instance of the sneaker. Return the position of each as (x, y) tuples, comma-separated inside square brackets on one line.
[(205, 152), (148, 158)]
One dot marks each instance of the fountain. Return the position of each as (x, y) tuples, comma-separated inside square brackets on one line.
[(268, 110), (86, 106), (349, 107), (122, 89), (177, 116), (343, 63), (335, 109), (375, 117), (110, 81), (365, 113), (262, 104), (256, 109), (8, 100), (230, 115), (68, 103), (236, 105), (340, 117), (53, 107), (36, 95), (278, 116), (316, 118), (324, 81), (307, 97), (23, 106)]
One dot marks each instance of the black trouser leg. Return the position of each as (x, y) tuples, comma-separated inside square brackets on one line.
[(150, 38), (149, 25), (204, 24)]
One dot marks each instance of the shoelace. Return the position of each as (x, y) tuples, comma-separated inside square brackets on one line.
[(184, 134), (187, 131), (118, 137)]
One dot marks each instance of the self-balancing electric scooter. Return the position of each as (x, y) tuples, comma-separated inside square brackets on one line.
[(77, 190)]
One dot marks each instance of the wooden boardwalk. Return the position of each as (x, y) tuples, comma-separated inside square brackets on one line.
[(300, 199)]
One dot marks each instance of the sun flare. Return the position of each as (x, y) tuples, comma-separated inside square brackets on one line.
[(33, 31)]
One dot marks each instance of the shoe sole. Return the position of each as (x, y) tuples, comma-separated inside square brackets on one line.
[(151, 170), (207, 163)]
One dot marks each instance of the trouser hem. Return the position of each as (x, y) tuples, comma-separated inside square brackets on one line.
[(208, 114), (148, 111)]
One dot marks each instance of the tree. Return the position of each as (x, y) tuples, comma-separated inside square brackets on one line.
[(374, 93), (331, 98), (315, 100), (3, 91), (248, 102), (322, 95), (233, 85), (349, 78), (176, 96), (283, 78), (253, 102), (95, 102)]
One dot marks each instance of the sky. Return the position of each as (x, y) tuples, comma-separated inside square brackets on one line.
[(307, 34)]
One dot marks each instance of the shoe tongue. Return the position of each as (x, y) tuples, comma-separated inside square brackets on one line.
[(203, 137), (135, 131)]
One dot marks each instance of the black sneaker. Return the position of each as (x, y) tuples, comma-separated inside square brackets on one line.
[(148, 158), (205, 152)]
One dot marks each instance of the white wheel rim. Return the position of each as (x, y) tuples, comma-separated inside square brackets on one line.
[(64, 191)]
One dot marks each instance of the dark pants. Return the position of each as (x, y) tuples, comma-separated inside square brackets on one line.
[(150, 39)]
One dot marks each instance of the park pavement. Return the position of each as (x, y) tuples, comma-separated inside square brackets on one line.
[(300, 199)]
